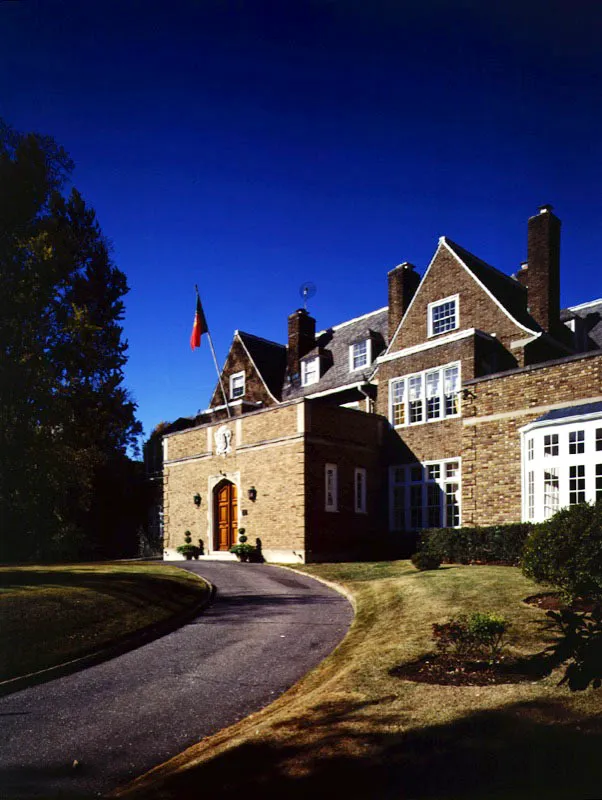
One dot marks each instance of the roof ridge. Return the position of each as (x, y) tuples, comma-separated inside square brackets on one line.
[(350, 321), (259, 338), (583, 305)]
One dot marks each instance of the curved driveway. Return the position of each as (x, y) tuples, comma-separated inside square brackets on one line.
[(266, 628)]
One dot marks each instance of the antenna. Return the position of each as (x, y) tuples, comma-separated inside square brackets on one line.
[(307, 290)]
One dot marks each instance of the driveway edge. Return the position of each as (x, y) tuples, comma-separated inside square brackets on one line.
[(118, 648)]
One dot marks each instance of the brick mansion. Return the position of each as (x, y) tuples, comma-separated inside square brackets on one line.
[(472, 398)]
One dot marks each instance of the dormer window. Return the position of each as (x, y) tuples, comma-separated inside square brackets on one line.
[(310, 371), (237, 385), (443, 315), (360, 354)]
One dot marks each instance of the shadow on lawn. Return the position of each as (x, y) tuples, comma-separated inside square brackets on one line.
[(137, 589), (526, 750)]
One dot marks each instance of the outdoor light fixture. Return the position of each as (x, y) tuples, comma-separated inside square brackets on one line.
[(197, 499), (252, 494)]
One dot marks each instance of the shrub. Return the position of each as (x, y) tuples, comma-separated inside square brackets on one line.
[(498, 544), (566, 551), (424, 560), (478, 635), (581, 646)]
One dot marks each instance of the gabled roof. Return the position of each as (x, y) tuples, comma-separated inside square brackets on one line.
[(333, 345), (506, 290), (269, 358), (591, 314)]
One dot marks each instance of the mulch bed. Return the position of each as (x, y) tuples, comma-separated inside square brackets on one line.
[(552, 601), (447, 671)]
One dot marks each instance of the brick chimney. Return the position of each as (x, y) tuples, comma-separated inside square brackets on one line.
[(543, 268), (301, 339), (403, 282)]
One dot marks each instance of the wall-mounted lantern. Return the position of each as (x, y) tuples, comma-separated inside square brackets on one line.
[(197, 500), (252, 494)]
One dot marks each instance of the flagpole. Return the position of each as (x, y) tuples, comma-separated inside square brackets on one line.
[(219, 374)]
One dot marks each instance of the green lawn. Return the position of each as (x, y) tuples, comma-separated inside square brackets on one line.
[(52, 614), (352, 729)]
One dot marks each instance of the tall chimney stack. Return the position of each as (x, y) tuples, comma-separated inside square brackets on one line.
[(543, 273), (301, 339), (403, 282)]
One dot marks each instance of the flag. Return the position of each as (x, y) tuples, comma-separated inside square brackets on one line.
[(199, 326)]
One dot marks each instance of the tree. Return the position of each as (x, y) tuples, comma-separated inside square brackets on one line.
[(65, 417)]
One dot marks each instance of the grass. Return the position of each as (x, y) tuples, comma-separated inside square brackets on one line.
[(352, 729), (53, 614)]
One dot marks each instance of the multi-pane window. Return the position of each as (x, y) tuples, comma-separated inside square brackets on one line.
[(425, 396), (550, 444), (237, 385), (551, 492), (398, 402), (530, 450), (443, 316), (577, 484), (310, 371), (360, 490), (576, 442), (415, 400), (331, 489), (531, 494), (425, 496), (598, 483), (598, 438), (359, 355)]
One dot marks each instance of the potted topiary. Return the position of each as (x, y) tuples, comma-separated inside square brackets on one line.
[(244, 551), (188, 550)]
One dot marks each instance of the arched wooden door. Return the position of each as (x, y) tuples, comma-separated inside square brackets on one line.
[(225, 516)]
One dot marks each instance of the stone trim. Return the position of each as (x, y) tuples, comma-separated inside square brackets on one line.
[(526, 412)]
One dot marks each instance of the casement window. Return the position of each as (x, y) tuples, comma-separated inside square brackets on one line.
[(331, 487), (425, 495), (551, 492), (310, 371), (561, 465), (360, 490), (550, 444), (237, 385), (360, 355), (443, 316), (576, 442), (425, 396), (577, 484)]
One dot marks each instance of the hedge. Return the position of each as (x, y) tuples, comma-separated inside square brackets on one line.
[(494, 544)]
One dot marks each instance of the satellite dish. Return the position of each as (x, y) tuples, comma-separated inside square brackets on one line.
[(307, 290)]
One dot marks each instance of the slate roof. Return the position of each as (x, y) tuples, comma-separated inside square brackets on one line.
[(591, 316), (572, 411), (333, 345), (508, 291), (269, 358)]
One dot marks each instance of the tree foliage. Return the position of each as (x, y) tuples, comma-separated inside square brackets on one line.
[(66, 421)]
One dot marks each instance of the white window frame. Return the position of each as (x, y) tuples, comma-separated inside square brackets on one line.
[(236, 377), (547, 469), (368, 343), (455, 299), (310, 376), (331, 491), (359, 488), (421, 476), (423, 400)]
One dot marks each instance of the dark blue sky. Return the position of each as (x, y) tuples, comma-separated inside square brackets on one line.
[(251, 146)]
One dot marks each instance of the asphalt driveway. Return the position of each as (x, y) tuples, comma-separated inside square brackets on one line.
[(266, 628)]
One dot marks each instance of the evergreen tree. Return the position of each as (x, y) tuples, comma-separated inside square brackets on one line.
[(65, 417)]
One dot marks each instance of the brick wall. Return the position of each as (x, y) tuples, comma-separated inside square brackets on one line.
[(447, 277), (239, 361), (492, 417)]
